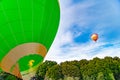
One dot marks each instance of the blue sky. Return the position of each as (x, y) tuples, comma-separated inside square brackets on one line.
[(79, 20)]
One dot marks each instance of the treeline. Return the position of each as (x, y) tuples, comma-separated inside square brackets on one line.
[(95, 69)]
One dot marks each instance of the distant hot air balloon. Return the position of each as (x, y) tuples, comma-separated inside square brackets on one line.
[(27, 30), (94, 37)]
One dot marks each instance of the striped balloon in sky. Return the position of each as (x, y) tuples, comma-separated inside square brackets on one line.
[(27, 30)]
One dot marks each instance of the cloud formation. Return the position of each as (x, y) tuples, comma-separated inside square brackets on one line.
[(81, 18)]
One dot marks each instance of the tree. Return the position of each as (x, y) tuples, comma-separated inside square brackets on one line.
[(55, 73), (100, 76), (41, 72), (70, 70), (107, 68)]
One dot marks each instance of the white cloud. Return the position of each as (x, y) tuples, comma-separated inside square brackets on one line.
[(77, 14), (108, 52)]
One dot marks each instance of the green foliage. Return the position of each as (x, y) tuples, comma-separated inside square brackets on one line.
[(111, 76), (55, 73), (71, 78), (6, 76), (43, 68), (100, 76), (95, 69), (70, 70)]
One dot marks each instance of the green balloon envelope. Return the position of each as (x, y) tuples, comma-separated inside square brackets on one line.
[(26, 21)]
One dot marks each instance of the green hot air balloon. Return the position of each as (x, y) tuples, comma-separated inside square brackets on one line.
[(27, 30)]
